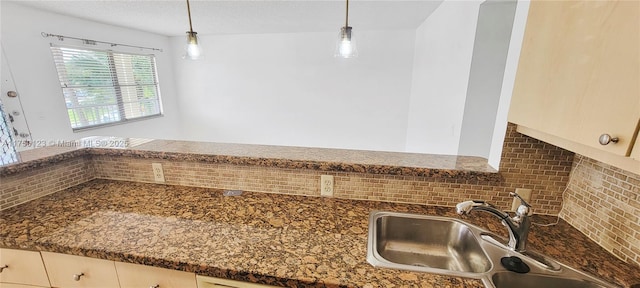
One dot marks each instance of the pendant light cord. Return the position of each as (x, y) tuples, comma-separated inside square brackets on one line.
[(346, 22), (189, 12)]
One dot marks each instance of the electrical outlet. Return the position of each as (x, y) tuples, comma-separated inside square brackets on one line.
[(326, 185), (158, 174), (525, 194)]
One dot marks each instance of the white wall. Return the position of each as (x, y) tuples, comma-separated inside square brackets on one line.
[(511, 66), (490, 49), (288, 89), (36, 79), (444, 46), (406, 91)]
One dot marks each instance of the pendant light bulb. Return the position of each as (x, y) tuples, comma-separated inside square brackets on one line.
[(346, 45), (192, 50)]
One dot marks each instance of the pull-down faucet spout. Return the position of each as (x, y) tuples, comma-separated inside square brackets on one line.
[(518, 226)]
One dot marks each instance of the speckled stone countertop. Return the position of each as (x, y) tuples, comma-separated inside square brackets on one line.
[(281, 240), (324, 159)]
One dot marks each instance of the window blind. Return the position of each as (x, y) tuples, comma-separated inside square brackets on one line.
[(105, 87)]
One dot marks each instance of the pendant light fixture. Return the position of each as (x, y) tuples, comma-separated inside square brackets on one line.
[(192, 50), (346, 45)]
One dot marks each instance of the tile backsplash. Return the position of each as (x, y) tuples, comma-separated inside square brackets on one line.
[(526, 163), (603, 202), (23, 187)]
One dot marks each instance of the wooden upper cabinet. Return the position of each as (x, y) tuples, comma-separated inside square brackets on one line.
[(12, 285), (635, 152), (579, 72)]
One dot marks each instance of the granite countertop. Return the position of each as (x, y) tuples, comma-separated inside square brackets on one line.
[(323, 159), (281, 240)]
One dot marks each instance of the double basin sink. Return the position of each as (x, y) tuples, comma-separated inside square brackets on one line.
[(452, 247)]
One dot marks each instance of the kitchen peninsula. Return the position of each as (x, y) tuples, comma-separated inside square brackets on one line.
[(104, 211)]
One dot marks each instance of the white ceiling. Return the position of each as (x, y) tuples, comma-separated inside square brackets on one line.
[(169, 17)]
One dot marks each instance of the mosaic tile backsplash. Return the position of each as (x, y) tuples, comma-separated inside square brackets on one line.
[(526, 163), (26, 186), (603, 202)]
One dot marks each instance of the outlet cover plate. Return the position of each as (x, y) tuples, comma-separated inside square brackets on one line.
[(326, 185), (158, 173)]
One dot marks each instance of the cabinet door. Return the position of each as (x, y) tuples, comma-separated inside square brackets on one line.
[(140, 276), (23, 267), (12, 285), (578, 72), (68, 271), (212, 282)]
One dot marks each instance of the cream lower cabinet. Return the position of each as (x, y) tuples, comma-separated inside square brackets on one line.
[(20, 267), (29, 269), (76, 271), (70, 271), (141, 276), (211, 282)]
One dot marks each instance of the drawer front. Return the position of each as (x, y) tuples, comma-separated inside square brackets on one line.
[(23, 267), (211, 282), (69, 271), (140, 276)]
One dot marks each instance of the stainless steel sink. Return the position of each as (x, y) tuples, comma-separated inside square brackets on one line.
[(450, 246), (510, 279), (428, 244), (434, 243)]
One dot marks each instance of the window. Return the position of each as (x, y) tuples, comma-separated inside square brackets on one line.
[(105, 87)]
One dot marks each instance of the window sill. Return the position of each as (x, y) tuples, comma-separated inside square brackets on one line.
[(126, 121)]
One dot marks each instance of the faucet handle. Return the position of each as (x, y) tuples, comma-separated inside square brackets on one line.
[(514, 194)]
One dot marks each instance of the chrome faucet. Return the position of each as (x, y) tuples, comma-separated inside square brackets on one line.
[(517, 225)]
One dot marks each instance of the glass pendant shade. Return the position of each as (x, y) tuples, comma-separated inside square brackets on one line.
[(346, 45), (192, 48)]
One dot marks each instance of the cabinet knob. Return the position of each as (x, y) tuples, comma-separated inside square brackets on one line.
[(606, 139), (155, 286), (3, 267), (77, 276)]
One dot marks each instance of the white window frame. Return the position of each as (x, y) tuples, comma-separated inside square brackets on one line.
[(115, 73)]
